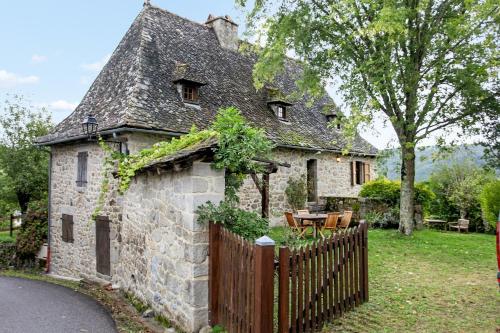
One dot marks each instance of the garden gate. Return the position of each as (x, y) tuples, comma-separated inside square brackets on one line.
[(314, 284)]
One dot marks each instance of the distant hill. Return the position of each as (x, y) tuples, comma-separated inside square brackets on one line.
[(427, 159)]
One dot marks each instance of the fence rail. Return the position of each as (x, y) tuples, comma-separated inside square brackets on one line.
[(316, 283)]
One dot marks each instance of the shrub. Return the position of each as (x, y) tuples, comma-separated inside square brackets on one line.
[(490, 202), (373, 219), (296, 192), (388, 191), (381, 189), (33, 232), (248, 225)]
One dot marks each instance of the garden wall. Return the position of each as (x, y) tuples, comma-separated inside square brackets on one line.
[(163, 257)]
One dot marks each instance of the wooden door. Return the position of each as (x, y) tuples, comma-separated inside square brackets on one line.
[(102, 246)]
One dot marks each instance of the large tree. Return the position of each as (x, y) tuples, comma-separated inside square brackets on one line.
[(23, 164), (428, 65)]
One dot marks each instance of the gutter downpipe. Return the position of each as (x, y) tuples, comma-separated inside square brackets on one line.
[(49, 210)]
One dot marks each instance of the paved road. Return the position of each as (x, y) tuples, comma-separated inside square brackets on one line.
[(34, 306)]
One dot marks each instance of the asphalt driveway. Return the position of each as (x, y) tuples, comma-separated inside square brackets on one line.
[(35, 306)]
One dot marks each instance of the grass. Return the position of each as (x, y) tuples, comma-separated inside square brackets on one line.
[(5, 236), (430, 282)]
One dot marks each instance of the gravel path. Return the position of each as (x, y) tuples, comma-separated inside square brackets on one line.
[(35, 306)]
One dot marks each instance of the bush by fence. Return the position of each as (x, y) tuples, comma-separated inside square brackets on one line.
[(7, 254)]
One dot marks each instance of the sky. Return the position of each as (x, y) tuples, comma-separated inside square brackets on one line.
[(52, 50)]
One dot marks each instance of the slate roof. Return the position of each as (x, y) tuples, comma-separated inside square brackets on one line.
[(135, 88)]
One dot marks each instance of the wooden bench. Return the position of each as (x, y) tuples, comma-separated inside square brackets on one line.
[(461, 224)]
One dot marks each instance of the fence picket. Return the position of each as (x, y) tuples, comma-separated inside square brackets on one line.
[(316, 283)]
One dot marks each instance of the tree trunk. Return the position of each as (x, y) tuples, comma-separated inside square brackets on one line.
[(23, 199), (407, 198)]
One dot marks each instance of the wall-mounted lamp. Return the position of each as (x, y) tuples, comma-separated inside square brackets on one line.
[(89, 126), (338, 159)]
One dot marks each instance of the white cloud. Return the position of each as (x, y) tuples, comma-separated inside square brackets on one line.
[(96, 66), (8, 79), (62, 105), (37, 58)]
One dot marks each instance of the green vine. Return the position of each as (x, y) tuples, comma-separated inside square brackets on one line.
[(238, 144), (129, 165), (111, 156)]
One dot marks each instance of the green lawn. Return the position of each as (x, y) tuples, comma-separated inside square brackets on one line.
[(5, 237), (430, 282)]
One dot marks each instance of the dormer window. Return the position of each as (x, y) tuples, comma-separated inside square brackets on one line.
[(190, 93), (281, 112)]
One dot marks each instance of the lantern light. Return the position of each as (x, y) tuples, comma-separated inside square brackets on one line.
[(89, 126)]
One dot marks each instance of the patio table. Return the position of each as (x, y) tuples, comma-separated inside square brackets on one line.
[(316, 219), (431, 222)]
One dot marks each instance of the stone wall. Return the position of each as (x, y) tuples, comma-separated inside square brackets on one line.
[(77, 259), (164, 249), (334, 179)]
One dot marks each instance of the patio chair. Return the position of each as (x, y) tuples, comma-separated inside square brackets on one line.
[(346, 220), (292, 223), (303, 212), (461, 224), (330, 223)]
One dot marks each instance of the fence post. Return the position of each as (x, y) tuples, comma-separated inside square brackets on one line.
[(264, 285), (365, 261), (284, 290), (214, 272), (11, 224)]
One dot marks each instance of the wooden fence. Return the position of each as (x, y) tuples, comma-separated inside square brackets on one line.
[(315, 283)]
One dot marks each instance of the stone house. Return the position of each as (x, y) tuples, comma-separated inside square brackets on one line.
[(166, 75)]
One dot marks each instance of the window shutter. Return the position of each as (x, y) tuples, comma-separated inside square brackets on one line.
[(353, 173), (366, 168), (81, 179), (67, 228)]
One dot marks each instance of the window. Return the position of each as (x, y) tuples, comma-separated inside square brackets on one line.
[(360, 173), (81, 175), (67, 228), (190, 93), (281, 112)]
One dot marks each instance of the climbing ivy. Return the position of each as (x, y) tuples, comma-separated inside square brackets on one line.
[(238, 145), (129, 165)]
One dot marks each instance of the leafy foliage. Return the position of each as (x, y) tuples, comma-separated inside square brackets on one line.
[(238, 145), (296, 192), (387, 191), (461, 184), (129, 165), (490, 202), (248, 225), (427, 66), (25, 166), (33, 232)]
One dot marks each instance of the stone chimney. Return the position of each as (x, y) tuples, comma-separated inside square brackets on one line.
[(226, 31)]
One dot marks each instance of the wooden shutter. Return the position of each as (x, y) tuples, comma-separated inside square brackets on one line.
[(67, 228), (102, 245), (81, 178), (353, 173), (366, 169)]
